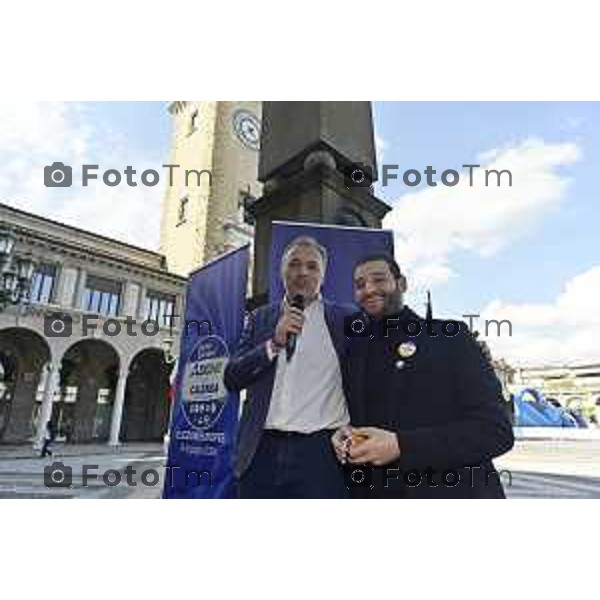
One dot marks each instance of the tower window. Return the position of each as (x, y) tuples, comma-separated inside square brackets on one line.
[(183, 208), (193, 122)]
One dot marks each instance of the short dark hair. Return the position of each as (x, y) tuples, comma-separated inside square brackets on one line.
[(387, 258)]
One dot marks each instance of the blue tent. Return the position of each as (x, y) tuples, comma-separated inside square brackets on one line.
[(533, 410)]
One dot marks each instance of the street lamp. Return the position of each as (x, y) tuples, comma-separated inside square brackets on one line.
[(16, 272)]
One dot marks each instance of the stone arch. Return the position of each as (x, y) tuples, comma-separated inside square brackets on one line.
[(88, 380), (23, 355), (146, 407)]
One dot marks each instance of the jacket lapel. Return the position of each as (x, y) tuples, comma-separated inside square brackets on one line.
[(405, 366), (266, 328), (335, 325), (401, 369)]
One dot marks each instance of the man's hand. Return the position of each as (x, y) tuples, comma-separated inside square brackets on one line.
[(341, 443), (291, 320), (380, 448)]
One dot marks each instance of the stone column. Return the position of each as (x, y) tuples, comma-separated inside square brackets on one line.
[(307, 151), (66, 287), (130, 299), (140, 314), (80, 289), (117, 412), (52, 385)]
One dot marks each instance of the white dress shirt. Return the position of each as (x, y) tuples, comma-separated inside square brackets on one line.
[(307, 391)]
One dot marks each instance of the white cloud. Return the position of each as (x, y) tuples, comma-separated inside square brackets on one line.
[(566, 331), (35, 134), (434, 224)]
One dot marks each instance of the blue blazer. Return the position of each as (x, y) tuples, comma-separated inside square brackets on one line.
[(250, 368)]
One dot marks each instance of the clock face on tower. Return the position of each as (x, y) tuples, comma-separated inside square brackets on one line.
[(247, 128)]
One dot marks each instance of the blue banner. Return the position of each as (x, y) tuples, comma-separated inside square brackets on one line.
[(345, 246), (204, 416)]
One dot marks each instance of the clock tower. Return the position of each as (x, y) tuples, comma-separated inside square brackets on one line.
[(215, 145)]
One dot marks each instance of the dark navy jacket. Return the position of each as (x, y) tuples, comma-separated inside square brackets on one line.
[(445, 403), (251, 369)]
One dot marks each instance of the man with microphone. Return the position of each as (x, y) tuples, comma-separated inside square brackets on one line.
[(289, 361)]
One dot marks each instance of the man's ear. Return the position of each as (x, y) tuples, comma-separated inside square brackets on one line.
[(402, 285)]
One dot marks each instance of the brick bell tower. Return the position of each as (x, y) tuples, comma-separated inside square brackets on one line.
[(200, 221)]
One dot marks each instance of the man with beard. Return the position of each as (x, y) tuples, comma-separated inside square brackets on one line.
[(425, 404)]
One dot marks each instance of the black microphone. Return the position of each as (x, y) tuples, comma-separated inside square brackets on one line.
[(290, 343)]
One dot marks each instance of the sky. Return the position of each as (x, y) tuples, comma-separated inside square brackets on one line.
[(528, 252)]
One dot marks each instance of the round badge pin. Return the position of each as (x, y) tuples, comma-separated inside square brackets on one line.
[(406, 349)]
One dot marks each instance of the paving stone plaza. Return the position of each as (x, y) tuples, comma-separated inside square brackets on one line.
[(538, 469)]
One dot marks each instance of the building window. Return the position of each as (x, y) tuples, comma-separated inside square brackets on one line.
[(42, 283), (102, 295), (183, 208), (158, 308), (193, 122)]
